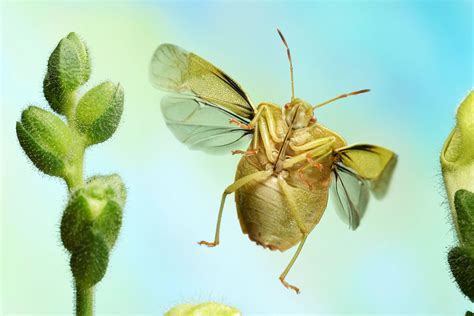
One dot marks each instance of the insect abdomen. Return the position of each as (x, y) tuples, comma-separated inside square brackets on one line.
[(264, 212), (263, 218)]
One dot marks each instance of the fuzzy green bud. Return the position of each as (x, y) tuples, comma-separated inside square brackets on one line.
[(98, 112), (457, 164), (97, 205), (46, 139), (209, 308), (90, 226), (457, 156), (68, 69)]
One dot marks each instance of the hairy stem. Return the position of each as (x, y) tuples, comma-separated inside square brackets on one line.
[(84, 301), (75, 177)]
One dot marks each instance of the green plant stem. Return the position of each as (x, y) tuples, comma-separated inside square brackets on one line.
[(84, 301), (70, 108), (76, 179), (75, 176), (84, 296)]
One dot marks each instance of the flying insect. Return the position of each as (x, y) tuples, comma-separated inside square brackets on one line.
[(284, 177)]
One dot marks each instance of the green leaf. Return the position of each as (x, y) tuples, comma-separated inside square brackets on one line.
[(89, 261), (461, 262), (109, 222), (76, 219), (98, 112), (46, 140), (464, 203), (68, 69)]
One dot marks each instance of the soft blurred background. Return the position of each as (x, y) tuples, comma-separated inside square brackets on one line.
[(416, 56)]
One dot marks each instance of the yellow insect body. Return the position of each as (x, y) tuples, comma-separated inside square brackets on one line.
[(264, 210), (282, 181)]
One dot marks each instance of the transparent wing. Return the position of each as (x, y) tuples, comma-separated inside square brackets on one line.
[(350, 194), (174, 69), (204, 126)]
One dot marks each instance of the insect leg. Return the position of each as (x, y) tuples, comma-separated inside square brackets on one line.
[(288, 267), (264, 126), (261, 175), (318, 152), (244, 152), (255, 119), (264, 111), (313, 144), (253, 123), (256, 135), (239, 124), (311, 163), (294, 213), (266, 140), (271, 124)]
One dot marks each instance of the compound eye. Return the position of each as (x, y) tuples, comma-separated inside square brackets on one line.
[(287, 106), (312, 120)]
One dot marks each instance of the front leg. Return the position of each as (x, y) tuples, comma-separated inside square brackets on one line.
[(268, 145), (312, 144), (321, 148), (312, 162), (271, 123)]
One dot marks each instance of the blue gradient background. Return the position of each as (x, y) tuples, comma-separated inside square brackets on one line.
[(416, 56)]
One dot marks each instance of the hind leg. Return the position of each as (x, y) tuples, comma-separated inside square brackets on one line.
[(294, 213), (261, 175), (288, 267)]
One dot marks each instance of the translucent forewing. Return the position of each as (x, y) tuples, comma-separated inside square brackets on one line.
[(350, 194), (203, 126), (174, 69)]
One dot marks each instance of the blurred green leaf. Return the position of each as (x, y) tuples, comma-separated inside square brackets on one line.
[(209, 308)]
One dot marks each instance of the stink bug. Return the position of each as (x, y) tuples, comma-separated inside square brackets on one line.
[(282, 181)]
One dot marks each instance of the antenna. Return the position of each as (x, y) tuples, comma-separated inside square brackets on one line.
[(340, 97), (291, 64)]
